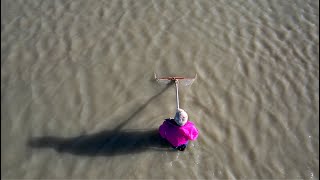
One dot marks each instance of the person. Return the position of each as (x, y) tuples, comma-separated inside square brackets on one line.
[(178, 131)]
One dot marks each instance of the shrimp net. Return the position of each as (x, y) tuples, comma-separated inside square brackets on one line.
[(182, 81)]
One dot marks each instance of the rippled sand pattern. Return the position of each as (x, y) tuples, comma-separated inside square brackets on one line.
[(78, 99)]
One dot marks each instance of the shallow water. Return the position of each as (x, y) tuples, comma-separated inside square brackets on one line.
[(78, 98)]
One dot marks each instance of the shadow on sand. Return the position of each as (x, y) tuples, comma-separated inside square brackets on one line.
[(108, 142)]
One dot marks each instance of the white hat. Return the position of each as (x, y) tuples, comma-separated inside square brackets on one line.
[(181, 117)]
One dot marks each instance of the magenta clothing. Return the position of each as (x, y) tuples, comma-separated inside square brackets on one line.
[(178, 135)]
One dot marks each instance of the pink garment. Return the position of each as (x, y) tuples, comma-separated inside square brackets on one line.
[(178, 135)]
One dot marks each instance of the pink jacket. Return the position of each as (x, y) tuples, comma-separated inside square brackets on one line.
[(178, 135)]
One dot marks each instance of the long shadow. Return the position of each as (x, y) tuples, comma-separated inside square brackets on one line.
[(108, 142)]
